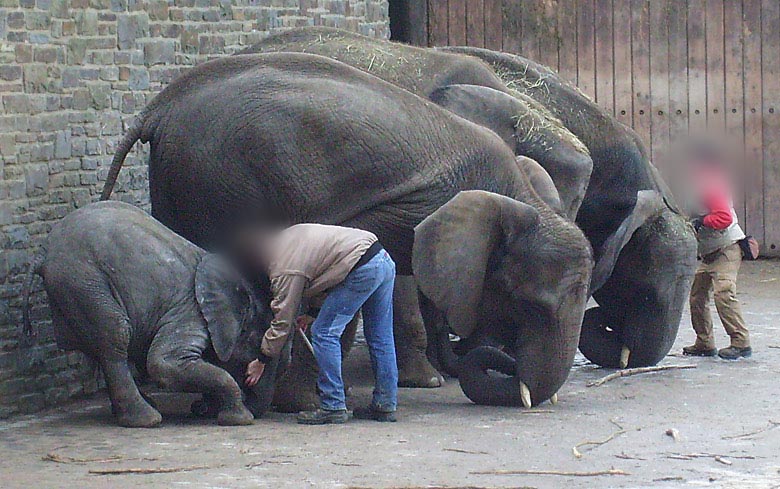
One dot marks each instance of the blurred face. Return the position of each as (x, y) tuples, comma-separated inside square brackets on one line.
[(253, 247)]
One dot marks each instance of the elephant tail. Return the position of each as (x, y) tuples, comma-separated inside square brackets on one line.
[(133, 135), (33, 269)]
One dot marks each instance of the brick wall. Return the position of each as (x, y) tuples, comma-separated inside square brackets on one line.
[(72, 75)]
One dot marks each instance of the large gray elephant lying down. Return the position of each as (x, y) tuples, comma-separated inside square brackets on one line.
[(122, 286), (290, 138)]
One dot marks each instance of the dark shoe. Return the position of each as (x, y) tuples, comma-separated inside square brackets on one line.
[(374, 414), (734, 353), (323, 416), (695, 351)]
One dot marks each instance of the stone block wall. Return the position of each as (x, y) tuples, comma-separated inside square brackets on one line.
[(73, 73)]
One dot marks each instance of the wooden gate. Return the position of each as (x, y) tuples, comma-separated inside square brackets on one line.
[(665, 67)]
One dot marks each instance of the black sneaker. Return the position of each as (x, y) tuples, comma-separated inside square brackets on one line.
[(323, 416), (374, 414), (734, 353), (695, 351)]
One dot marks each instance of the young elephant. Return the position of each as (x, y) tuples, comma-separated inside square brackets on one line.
[(122, 286)]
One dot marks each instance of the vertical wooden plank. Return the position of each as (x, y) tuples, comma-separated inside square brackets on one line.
[(770, 62), (409, 21), (697, 67), (475, 23), (678, 79), (530, 27), (716, 121), (586, 61), (567, 39), (512, 26), (659, 79), (640, 64), (493, 24), (622, 67), (547, 30), (457, 22), (418, 22), (732, 37), (754, 172), (605, 94), (437, 22)]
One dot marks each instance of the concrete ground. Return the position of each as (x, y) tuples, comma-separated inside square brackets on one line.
[(724, 416)]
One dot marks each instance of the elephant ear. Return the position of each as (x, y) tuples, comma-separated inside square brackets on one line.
[(649, 203), (452, 247), (225, 301)]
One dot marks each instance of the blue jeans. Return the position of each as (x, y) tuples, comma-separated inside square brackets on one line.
[(370, 287)]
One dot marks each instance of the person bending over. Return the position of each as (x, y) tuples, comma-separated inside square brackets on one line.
[(350, 265)]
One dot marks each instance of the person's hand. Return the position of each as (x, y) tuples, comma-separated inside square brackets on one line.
[(303, 322), (254, 371)]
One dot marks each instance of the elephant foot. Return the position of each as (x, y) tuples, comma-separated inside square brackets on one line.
[(416, 371), (295, 401), (237, 416), (205, 408), (142, 416)]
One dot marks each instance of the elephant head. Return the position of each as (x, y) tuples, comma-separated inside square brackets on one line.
[(491, 265), (530, 130), (639, 311), (237, 316)]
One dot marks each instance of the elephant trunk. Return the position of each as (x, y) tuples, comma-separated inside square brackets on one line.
[(258, 398), (544, 353)]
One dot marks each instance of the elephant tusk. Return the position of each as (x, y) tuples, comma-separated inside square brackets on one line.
[(525, 395), (625, 353), (554, 399)]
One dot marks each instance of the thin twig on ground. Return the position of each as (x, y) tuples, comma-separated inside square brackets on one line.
[(626, 456), (64, 459), (460, 450), (691, 456), (597, 443), (669, 479), (551, 472), (772, 425), (722, 460), (155, 470), (341, 464), (441, 487), (537, 411), (628, 372)]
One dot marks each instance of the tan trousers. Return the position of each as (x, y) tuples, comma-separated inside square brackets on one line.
[(718, 273)]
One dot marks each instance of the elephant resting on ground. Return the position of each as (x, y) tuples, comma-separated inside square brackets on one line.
[(301, 138), (469, 88), (644, 250), (122, 286)]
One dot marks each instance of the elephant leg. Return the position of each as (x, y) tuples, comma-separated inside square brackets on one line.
[(296, 389), (109, 327), (207, 407), (127, 404), (414, 369), (175, 362)]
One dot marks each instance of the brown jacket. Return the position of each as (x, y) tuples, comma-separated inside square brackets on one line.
[(305, 261)]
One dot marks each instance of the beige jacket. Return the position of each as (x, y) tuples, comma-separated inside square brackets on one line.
[(305, 261)]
